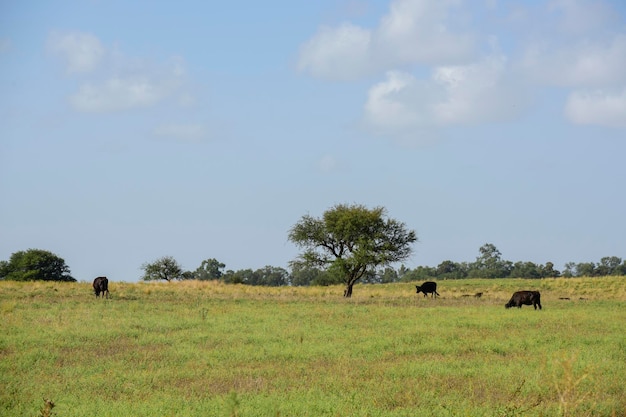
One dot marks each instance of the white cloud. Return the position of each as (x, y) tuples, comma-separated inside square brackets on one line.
[(597, 108), (581, 64), (82, 52), (572, 44), (479, 92), (586, 53), (420, 31), (184, 132), (121, 94), (454, 95), (400, 102), (339, 53), (112, 81), (414, 31)]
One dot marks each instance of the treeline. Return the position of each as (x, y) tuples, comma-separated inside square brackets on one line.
[(489, 264), (41, 265)]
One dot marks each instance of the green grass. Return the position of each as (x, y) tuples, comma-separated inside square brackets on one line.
[(207, 349)]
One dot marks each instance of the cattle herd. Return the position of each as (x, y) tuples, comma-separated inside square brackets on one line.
[(519, 298)]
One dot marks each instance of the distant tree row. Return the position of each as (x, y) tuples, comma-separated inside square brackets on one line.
[(42, 265), (346, 245), (489, 264), (168, 269)]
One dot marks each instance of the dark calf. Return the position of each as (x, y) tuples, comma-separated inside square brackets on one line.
[(101, 286), (528, 298), (427, 287)]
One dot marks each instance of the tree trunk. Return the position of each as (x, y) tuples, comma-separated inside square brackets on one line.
[(347, 293)]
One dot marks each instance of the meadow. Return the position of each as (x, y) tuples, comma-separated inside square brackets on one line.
[(208, 349)]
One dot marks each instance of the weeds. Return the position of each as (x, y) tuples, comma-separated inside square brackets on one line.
[(46, 408), (518, 404), (568, 386)]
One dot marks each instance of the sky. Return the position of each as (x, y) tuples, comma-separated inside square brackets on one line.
[(203, 129)]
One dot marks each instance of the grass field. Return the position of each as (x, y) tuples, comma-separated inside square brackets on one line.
[(208, 349)]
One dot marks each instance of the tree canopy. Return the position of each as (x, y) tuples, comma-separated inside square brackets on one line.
[(166, 268), (351, 240), (35, 265), (209, 269), (490, 264)]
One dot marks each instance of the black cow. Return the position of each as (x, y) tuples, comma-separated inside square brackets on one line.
[(525, 297), (427, 287), (101, 286)]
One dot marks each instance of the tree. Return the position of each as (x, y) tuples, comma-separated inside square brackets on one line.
[(272, 276), (548, 271), (421, 273), (586, 269), (163, 268), (570, 270), (609, 265), (389, 275), (451, 270), (242, 276), (525, 270), (302, 276), (352, 241), (210, 269), (35, 265), (490, 264), (188, 275)]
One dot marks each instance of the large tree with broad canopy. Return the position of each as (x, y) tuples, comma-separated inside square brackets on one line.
[(351, 240), (34, 265)]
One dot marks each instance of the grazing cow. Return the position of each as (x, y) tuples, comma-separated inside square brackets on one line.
[(427, 287), (101, 286), (525, 297)]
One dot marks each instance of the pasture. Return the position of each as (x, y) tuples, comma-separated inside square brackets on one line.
[(209, 349)]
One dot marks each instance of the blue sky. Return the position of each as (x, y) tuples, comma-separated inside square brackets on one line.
[(135, 130)]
